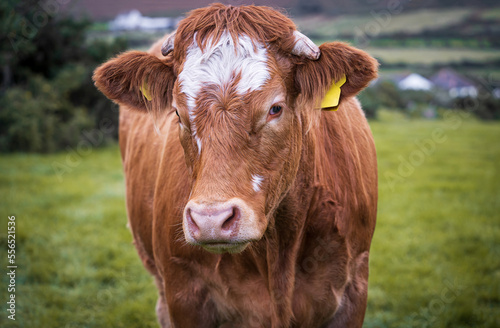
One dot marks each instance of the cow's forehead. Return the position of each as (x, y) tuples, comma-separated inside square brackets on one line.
[(221, 63)]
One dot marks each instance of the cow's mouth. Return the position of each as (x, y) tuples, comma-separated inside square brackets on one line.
[(221, 247)]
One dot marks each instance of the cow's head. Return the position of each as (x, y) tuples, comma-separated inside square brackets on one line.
[(245, 85)]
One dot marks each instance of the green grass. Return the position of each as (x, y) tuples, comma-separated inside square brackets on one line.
[(77, 266), (434, 259), (429, 56), (435, 255)]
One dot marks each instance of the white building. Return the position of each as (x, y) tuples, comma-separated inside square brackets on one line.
[(415, 82), (133, 20)]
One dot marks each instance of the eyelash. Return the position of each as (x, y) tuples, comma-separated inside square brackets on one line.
[(178, 118)]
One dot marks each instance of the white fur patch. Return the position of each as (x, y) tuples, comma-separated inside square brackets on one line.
[(220, 63), (256, 182), (198, 143)]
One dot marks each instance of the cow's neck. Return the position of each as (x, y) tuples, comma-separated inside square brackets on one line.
[(283, 241)]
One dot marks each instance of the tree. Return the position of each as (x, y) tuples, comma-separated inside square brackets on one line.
[(47, 96)]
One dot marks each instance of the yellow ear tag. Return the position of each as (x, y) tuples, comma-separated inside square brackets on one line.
[(332, 97), (145, 91)]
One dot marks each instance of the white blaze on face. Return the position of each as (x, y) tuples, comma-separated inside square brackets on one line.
[(257, 182), (219, 64)]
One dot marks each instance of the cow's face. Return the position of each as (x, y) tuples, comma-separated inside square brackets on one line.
[(243, 107), (241, 137)]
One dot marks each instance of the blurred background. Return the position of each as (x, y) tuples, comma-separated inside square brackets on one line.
[(434, 112)]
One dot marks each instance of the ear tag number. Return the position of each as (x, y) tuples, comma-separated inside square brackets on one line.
[(332, 97)]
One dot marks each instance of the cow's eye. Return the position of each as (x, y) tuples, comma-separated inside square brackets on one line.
[(177, 113), (275, 110)]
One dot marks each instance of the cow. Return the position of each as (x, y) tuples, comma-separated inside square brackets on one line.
[(251, 202)]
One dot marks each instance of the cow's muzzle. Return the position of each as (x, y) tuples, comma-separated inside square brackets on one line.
[(219, 227)]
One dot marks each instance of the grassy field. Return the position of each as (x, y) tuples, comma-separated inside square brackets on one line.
[(404, 21), (435, 258), (429, 56)]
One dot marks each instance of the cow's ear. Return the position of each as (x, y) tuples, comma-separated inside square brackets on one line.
[(314, 78), (137, 80)]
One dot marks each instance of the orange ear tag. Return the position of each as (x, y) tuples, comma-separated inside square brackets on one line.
[(145, 91), (332, 97)]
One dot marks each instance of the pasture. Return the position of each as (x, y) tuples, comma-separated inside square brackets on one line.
[(432, 56), (435, 257), (405, 21)]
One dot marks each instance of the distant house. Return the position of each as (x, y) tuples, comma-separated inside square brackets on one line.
[(133, 20), (414, 81), (456, 84)]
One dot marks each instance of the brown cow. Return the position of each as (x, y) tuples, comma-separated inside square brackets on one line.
[(250, 205)]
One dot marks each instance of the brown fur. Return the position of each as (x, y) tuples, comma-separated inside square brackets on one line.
[(259, 23), (318, 201)]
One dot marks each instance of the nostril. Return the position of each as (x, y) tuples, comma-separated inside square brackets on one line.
[(232, 220), (191, 223), (216, 222)]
